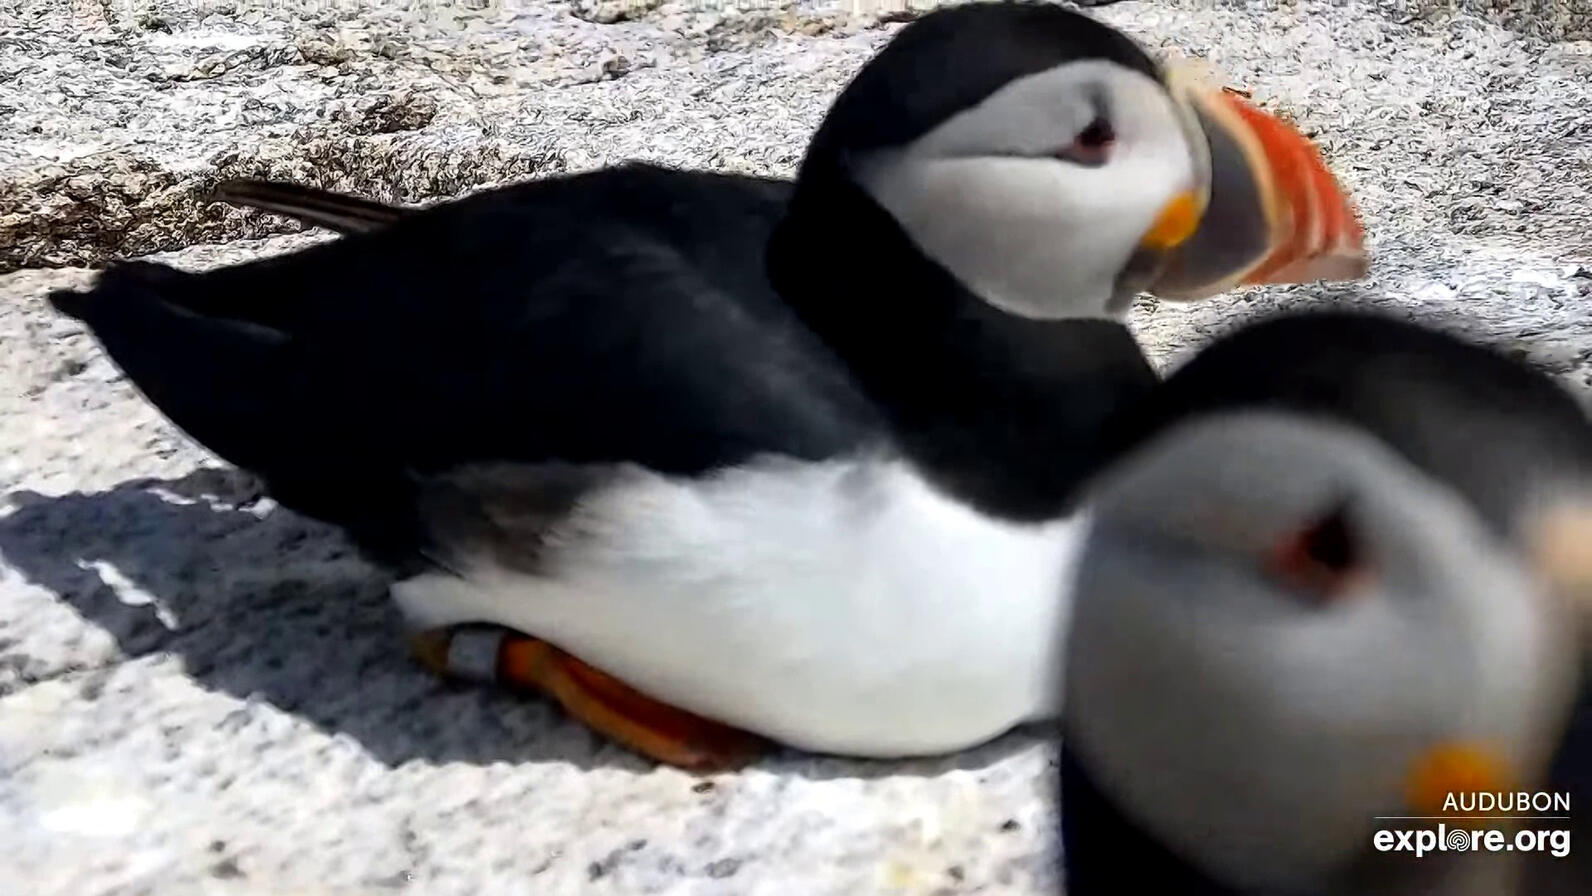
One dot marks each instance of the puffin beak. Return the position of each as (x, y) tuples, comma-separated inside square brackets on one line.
[(1269, 212), (1449, 770)]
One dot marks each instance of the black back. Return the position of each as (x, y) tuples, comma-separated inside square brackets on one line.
[(641, 315), (620, 315)]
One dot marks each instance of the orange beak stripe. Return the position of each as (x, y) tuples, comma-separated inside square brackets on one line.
[(1320, 234)]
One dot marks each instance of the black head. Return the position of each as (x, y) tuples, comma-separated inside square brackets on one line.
[(952, 59), (1468, 414)]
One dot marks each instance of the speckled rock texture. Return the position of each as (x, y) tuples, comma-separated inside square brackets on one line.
[(201, 693)]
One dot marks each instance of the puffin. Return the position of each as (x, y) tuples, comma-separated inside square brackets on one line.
[(1337, 571), (719, 461)]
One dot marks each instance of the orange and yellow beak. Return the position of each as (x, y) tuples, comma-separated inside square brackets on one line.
[(1438, 778), (1270, 212)]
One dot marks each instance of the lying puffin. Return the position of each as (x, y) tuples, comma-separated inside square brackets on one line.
[(795, 458), (1337, 573)]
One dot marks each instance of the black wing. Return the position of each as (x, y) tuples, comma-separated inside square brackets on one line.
[(617, 316)]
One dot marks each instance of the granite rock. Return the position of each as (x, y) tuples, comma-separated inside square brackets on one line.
[(203, 693)]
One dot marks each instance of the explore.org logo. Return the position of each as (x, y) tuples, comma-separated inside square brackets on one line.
[(1462, 826)]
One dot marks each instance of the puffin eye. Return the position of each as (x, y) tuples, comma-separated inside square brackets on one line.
[(1322, 559), (1092, 146)]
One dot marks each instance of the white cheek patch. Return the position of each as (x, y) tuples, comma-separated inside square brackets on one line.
[(1036, 237)]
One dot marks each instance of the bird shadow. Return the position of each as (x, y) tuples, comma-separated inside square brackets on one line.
[(263, 604)]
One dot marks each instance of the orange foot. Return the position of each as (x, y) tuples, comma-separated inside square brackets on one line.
[(604, 703)]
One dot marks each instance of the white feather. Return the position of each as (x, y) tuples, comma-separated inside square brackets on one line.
[(842, 607)]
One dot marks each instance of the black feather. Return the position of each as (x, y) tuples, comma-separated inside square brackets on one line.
[(490, 329)]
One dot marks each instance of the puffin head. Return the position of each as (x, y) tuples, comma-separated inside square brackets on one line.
[(1053, 168), (1335, 577)]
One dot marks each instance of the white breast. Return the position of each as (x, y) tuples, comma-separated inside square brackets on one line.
[(841, 607)]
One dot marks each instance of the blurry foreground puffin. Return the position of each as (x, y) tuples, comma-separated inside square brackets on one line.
[(1337, 574), (795, 458)]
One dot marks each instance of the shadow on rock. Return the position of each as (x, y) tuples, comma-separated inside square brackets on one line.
[(262, 603)]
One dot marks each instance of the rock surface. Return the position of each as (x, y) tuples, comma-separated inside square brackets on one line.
[(202, 693)]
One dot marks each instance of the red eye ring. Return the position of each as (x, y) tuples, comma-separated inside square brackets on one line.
[(1322, 559), (1092, 146)]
